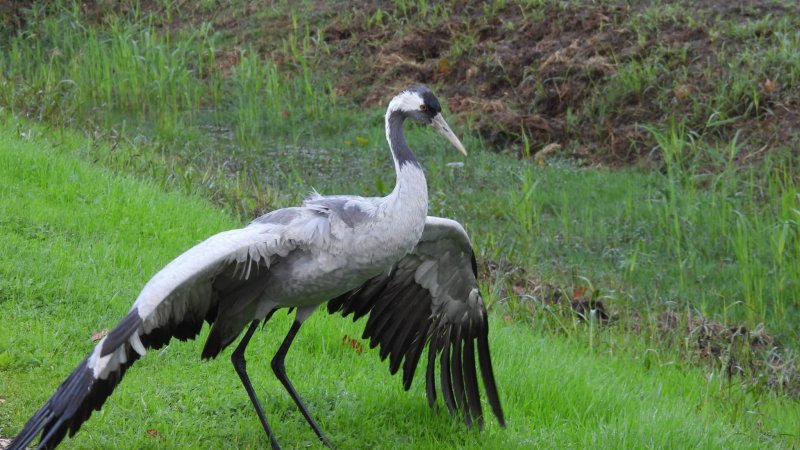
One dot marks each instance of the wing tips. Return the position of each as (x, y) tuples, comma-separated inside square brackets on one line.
[(444, 375), (458, 376), (456, 373), (471, 383), (71, 404), (32, 429), (455, 346), (86, 388), (430, 375), (65, 411), (487, 373)]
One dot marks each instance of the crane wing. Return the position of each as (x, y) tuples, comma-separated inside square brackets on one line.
[(431, 297), (229, 266)]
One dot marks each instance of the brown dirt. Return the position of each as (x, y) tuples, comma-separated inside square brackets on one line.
[(543, 73), (521, 76), (12, 13), (528, 74)]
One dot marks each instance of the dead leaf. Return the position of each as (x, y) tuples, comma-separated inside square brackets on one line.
[(682, 91), (97, 335), (353, 343), (471, 72), (444, 65), (579, 292), (770, 86), (548, 149)]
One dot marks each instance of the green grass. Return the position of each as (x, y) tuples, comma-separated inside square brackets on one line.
[(141, 106), (128, 75), (79, 241)]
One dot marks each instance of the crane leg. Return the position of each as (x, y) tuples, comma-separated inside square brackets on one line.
[(280, 372), (239, 363)]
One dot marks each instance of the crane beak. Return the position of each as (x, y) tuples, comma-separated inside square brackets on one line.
[(442, 128)]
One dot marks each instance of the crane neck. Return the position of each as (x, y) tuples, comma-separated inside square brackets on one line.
[(411, 189), (397, 141)]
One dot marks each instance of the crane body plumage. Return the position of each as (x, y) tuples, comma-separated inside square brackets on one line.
[(412, 274)]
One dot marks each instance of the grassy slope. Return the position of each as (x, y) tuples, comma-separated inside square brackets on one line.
[(78, 242), (213, 119)]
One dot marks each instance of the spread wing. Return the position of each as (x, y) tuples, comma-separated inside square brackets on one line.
[(431, 297), (227, 271)]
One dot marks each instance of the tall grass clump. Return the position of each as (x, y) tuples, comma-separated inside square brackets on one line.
[(526, 216), (268, 104), (736, 225), (257, 97), (131, 73), (58, 69)]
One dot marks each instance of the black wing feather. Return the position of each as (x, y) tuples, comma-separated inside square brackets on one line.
[(413, 355), (396, 344), (488, 375), (444, 374), (457, 374), (402, 342), (471, 383), (430, 373)]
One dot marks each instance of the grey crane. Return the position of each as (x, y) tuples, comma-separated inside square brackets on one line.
[(412, 274)]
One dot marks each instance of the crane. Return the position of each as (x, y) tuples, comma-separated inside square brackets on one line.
[(413, 275)]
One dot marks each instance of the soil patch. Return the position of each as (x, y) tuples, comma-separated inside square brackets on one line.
[(563, 74), (591, 78)]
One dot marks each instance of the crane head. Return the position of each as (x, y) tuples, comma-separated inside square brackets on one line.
[(420, 104)]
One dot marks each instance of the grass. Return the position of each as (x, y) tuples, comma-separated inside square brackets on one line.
[(80, 241), (139, 106), (687, 237)]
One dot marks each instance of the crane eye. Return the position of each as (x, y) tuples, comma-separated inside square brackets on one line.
[(423, 107)]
